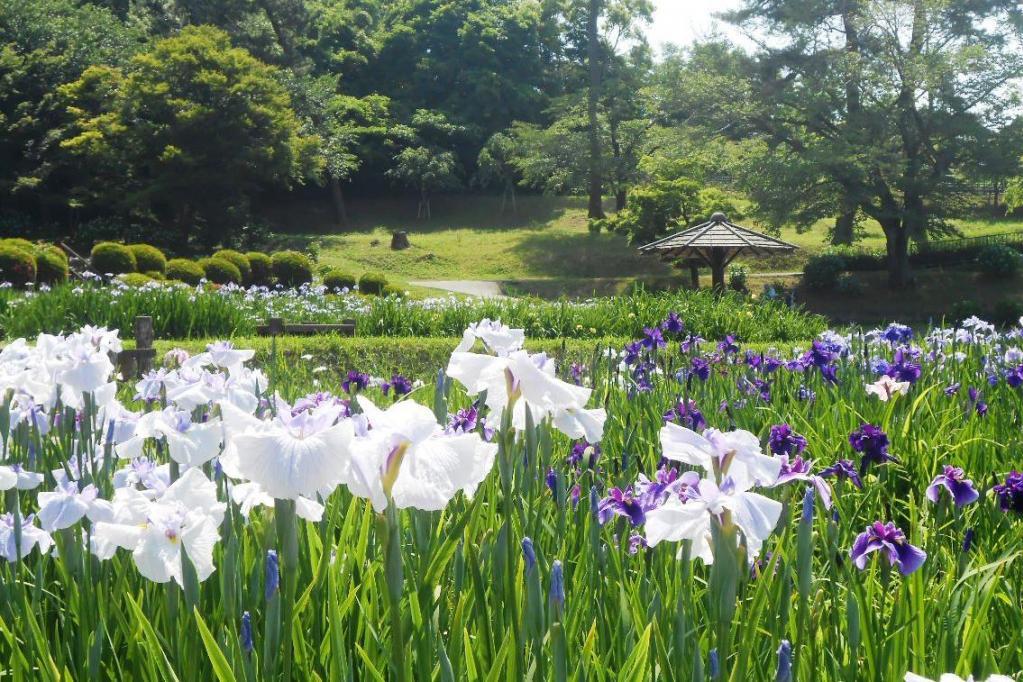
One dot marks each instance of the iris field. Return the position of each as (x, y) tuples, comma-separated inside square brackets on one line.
[(674, 509)]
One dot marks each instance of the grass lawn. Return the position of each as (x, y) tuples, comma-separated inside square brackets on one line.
[(544, 249)]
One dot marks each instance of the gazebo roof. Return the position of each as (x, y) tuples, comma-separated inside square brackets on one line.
[(718, 232)]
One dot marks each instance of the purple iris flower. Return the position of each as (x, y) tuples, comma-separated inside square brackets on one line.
[(577, 370), (620, 503), (636, 542), (528, 553), (585, 454), (246, 633), (897, 333), (1010, 493), (557, 593), (979, 406), (700, 368), (728, 345), (806, 394), (666, 482), (844, 470), (632, 352), (653, 338), (690, 343), (872, 443), (1014, 376), (952, 389), (687, 414), (273, 574), (552, 481), (400, 384), (784, 441), (355, 380), (783, 673), (463, 421), (955, 482), (829, 373), (799, 469), (903, 369), (673, 324), (885, 537)]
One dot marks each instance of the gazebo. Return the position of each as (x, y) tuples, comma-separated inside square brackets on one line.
[(716, 243)]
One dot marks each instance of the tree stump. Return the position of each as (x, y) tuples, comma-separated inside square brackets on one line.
[(399, 240)]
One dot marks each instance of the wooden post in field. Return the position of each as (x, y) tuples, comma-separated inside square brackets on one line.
[(275, 326), (139, 360)]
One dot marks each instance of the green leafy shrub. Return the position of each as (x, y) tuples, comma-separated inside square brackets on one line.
[(961, 310), (51, 265), (17, 266), (184, 270), (155, 274), (20, 244), (738, 277), (148, 258), (337, 280), (135, 279), (111, 258), (372, 283), (292, 269), (1007, 312), (849, 285), (262, 268), (821, 272), (221, 271), (997, 261), (240, 261), (393, 290)]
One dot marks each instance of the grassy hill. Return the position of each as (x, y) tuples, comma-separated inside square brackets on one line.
[(545, 247)]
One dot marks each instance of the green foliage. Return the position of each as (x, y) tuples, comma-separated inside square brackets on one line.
[(135, 279), (184, 270), (847, 284), (51, 265), (372, 283), (292, 269), (17, 266), (193, 111), (738, 278), (148, 258), (337, 280), (999, 261), (111, 258), (822, 272), (240, 260), (655, 208), (261, 268), (19, 243), (1007, 312), (221, 271)]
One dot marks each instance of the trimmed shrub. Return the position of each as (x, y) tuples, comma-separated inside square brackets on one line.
[(221, 271), (998, 261), (336, 280), (849, 285), (111, 258), (262, 268), (393, 290), (240, 261), (21, 244), (184, 270), (17, 266), (155, 274), (148, 258), (372, 283), (292, 269), (135, 279), (51, 265), (821, 272)]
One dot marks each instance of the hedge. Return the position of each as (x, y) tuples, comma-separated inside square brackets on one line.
[(239, 260), (292, 269)]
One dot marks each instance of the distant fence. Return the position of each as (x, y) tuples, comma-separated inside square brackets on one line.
[(936, 253), (969, 243)]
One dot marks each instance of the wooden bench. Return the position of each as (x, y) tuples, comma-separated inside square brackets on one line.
[(276, 326)]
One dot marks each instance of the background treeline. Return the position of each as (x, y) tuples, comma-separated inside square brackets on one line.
[(170, 121)]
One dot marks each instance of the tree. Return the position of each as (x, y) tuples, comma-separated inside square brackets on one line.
[(427, 169), (496, 164), (186, 134), (929, 76)]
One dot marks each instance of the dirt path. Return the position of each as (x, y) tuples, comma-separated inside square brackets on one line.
[(471, 287)]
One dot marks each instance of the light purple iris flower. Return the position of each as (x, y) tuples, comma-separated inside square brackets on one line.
[(955, 482), (887, 538), (799, 469)]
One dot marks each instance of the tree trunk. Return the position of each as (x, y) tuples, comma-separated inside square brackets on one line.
[(694, 274), (338, 198), (845, 225), (717, 268), (621, 198), (596, 188), (897, 246)]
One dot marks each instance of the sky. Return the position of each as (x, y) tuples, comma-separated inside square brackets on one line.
[(684, 21)]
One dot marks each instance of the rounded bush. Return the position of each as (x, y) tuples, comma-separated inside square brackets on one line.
[(393, 290), (51, 265), (221, 271), (135, 279), (184, 270), (148, 258), (821, 272), (849, 285), (372, 283), (998, 260), (155, 274), (240, 261), (111, 258), (262, 268), (292, 269), (20, 243), (336, 280), (17, 266)]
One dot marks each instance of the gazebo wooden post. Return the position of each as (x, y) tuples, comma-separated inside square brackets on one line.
[(718, 259), (694, 273)]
